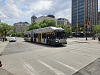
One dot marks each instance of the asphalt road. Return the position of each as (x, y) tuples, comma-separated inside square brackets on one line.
[(25, 58), (20, 46)]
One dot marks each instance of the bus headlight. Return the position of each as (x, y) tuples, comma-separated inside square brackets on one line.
[(57, 41)]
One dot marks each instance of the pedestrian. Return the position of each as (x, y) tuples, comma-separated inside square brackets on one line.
[(0, 64), (99, 38), (94, 37), (3, 38)]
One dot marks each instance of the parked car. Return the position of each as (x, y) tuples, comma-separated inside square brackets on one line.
[(12, 39)]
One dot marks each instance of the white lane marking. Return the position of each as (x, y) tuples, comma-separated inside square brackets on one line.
[(67, 66), (53, 69), (30, 70)]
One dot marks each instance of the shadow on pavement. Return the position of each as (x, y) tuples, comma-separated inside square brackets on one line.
[(45, 45)]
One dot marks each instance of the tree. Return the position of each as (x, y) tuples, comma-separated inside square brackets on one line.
[(4, 28), (96, 29), (49, 22), (67, 29), (52, 23), (20, 34), (12, 34), (34, 26), (44, 23)]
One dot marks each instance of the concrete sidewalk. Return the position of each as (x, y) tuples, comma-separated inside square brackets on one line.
[(4, 72), (83, 40), (2, 46)]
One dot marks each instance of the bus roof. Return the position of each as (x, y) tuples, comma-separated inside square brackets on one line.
[(43, 30), (47, 29)]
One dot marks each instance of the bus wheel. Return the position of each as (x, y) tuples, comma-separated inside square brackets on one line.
[(54, 45)]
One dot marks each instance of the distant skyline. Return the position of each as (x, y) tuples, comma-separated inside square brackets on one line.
[(12, 11)]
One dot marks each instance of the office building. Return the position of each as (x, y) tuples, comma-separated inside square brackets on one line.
[(62, 21), (83, 12), (41, 18), (59, 21), (99, 17), (21, 26)]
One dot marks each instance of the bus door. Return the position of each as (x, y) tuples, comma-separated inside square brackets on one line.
[(48, 38), (39, 38)]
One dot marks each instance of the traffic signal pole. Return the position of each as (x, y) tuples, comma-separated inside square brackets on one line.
[(76, 29), (76, 32), (88, 23), (86, 32)]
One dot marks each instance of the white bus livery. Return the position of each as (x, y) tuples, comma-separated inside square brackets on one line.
[(47, 35)]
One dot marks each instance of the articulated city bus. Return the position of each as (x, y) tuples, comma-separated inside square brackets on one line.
[(47, 35), (27, 36)]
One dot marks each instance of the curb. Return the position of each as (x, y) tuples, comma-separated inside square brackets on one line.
[(2, 46)]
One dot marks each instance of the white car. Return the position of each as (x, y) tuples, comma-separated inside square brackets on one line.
[(12, 39)]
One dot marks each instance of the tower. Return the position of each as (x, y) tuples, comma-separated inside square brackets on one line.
[(33, 18), (83, 12)]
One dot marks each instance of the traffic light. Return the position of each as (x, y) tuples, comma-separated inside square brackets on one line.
[(88, 23), (76, 25), (80, 28)]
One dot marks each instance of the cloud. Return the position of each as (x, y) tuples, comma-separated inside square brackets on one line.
[(99, 5), (64, 14), (41, 5), (2, 15), (13, 11)]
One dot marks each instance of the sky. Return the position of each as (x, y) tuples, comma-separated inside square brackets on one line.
[(13, 11)]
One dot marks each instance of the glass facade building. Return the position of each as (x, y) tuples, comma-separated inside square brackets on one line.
[(84, 11)]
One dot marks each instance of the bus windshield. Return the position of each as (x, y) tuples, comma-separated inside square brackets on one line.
[(61, 34)]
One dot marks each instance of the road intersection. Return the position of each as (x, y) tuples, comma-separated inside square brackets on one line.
[(24, 58)]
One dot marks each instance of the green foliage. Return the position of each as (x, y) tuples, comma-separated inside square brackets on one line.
[(67, 29), (12, 34), (4, 28), (44, 23), (19, 34), (78, 29), (49, 22), (34, 26), (97, 29), (73, 28)]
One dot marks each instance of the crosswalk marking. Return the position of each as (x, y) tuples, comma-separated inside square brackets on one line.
[(30, 70), (67, 66), (53, 69)]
